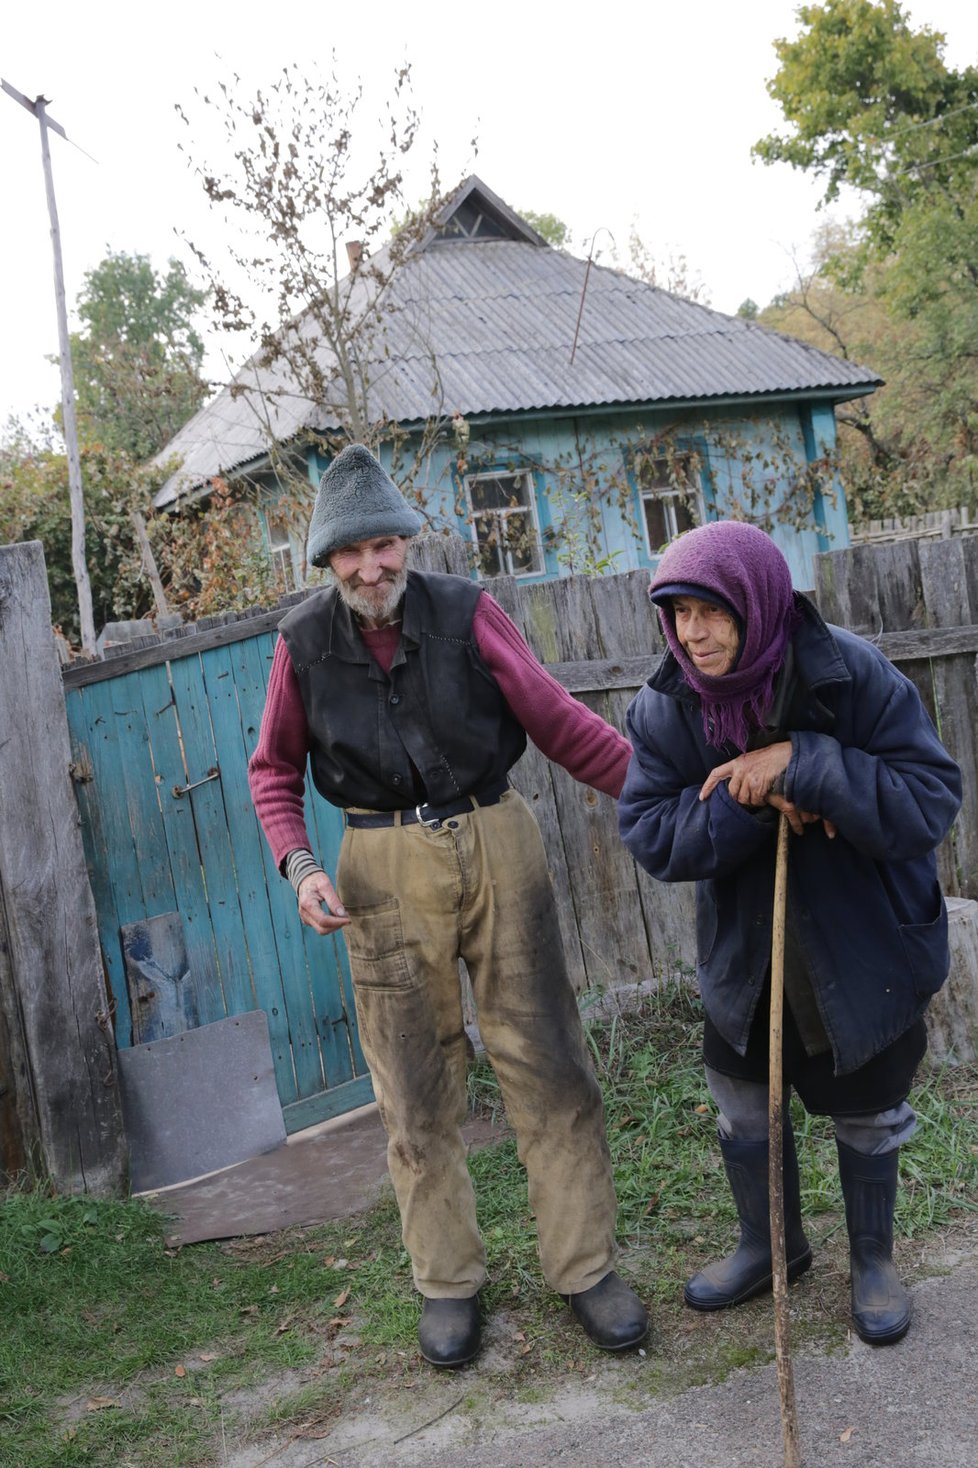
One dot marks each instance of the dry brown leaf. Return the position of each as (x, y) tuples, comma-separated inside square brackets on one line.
[(845, 1436), (208, 1356), (701, 1110), (339, 1320), (98, 1404), (179, 1370), (341, 1299)]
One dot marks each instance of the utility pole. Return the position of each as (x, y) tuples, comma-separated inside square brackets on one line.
[(78, 562)]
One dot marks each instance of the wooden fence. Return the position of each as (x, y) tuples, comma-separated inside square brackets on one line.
[(917, 599), (957, 520)]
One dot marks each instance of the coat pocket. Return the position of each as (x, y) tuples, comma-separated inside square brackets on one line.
[(707, 921), (927, 952)]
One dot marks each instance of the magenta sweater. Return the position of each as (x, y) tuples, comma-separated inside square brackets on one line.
[(564, 730)]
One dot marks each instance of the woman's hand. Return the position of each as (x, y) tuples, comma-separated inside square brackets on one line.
[(753, 776), (755, 779)]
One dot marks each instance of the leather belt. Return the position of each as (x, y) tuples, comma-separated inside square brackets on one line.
[(431, 816)]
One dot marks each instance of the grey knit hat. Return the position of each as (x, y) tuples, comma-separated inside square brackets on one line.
[(357, 500)]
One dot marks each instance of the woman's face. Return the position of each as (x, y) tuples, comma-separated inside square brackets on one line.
[(708, 634)]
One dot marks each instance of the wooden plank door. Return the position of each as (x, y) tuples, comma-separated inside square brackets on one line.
[(161, 759)]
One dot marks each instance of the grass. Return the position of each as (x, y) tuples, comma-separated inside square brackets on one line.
[(117, 1351)]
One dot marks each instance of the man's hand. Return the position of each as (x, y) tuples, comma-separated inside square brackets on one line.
[(319, 906), (752, 780)]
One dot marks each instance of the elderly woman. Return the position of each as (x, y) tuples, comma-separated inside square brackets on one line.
[(760, 707)]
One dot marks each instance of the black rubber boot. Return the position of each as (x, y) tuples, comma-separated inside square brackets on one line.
[(747, 1271), (611, 1313), (449, 1331), (880, 1304)]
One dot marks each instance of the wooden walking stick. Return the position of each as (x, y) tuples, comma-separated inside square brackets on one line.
[(779, 1265)]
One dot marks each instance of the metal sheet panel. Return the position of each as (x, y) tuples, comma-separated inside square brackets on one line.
[(200, 1101)]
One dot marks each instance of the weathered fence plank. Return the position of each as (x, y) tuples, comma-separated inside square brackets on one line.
[(917, 600), (62, 1101), (533, 776), (564, 625), (944, 582)]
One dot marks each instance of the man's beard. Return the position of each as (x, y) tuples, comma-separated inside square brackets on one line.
[(375, 603)]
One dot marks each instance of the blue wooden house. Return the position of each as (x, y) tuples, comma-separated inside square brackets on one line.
[(560, 415)]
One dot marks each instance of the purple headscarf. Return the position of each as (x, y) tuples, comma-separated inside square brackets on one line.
[(741, 567)]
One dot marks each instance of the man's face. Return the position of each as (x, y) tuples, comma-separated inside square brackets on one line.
[(372, 576), (708, 633)]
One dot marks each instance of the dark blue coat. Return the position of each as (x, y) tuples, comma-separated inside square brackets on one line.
[(866, 906)]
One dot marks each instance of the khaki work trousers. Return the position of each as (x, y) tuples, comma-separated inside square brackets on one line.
[(478, 888)]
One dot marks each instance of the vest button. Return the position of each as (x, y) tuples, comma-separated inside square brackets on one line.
[(395, 779), (395, 698)]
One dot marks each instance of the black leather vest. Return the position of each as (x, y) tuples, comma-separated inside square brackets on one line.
[(438, 713)]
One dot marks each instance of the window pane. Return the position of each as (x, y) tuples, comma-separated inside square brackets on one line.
[(655, 522), (498, 491), (490, 546), (520, 541), (683, 514)]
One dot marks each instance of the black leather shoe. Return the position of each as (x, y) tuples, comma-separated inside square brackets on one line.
[(611, 1314), (449, 1331)]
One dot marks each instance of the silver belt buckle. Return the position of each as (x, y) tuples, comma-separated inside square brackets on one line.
[(433, 823)]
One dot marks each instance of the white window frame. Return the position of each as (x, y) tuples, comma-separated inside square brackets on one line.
[(666, 495), (526, 507)]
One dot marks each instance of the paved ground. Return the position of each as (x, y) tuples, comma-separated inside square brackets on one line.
[(914, 1405)]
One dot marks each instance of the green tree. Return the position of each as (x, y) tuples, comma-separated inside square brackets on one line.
[(137, 358), (553, 229), (872, 105), (34, 505), (137, 378)]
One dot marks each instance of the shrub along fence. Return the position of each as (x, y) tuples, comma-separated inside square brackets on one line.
[(598, 636)]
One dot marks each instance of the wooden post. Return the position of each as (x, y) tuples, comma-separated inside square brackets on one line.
[(79, 564), (60, 1115), (149, 561), (779, 1266)]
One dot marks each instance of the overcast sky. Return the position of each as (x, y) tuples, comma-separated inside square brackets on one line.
[(603, 115)]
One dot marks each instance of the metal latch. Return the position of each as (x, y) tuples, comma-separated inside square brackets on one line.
[(212, 774)]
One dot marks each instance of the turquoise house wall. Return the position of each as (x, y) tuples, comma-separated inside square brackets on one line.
[(750, 461)]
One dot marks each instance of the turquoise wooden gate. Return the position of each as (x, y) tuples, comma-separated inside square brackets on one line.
[(161, 739)]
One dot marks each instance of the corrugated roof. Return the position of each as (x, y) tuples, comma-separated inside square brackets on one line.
[(477, 326)]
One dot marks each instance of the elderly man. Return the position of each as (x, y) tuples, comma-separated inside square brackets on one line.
[(412, 696)]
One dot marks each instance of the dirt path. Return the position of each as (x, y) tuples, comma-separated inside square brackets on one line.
[(914, 1405)]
